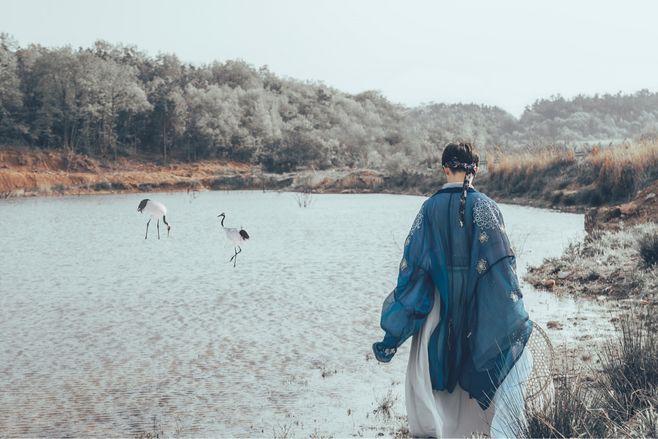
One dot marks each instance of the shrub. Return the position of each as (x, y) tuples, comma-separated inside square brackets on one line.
[(118, 185), (103, 186), (648, 248), (59, 188)]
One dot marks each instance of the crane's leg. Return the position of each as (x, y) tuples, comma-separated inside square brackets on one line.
[(235, 261), (234, 258), (158, 223), (147, 229)]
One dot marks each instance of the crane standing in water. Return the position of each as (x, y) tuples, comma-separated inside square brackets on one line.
[(156, 210), (234, 235)]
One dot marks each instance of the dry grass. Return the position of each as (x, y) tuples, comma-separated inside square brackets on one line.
[(561, 177), (620, 172), (33, 172), (605, 263), (25, 172), (571, 413), (385, 405), (524, 164), (622, 400), (630, 367)]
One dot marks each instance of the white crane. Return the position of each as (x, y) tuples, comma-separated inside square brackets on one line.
[(154, 209), (236, 236)]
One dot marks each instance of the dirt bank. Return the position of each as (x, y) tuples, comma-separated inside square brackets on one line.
[(642, 209), (29, 172), (611, 264), (26, 172)]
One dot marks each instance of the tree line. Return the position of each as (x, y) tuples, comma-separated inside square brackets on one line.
[(115, 100)]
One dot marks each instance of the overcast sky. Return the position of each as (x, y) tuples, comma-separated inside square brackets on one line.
[(505, 53)]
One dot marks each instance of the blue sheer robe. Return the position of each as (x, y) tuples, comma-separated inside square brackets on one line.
[(484, 326)]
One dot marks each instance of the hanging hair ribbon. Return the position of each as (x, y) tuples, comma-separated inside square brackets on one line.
[(471, 169), (461, 157)]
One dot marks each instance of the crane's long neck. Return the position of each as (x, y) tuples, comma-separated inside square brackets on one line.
[(223, 217)]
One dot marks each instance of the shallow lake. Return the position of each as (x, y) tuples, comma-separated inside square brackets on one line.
[(106, 333)]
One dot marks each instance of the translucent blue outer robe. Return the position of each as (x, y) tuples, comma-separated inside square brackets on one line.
[(484, 326)]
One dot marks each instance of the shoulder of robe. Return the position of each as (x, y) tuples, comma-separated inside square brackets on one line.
[(422, 216), (437, 203), (489, 231)]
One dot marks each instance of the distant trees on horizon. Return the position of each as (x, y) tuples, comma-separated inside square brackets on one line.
[(113, 100)]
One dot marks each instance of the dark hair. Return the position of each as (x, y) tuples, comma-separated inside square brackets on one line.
[(461, 157)]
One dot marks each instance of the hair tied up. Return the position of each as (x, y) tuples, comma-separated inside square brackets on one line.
[(461, 157)]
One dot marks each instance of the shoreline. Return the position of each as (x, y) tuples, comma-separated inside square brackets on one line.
[(28, 173), (146, 187), (47, 174)]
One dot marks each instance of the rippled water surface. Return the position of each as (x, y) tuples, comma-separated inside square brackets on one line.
[(105, 333)]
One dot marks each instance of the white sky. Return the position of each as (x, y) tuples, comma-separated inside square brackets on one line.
[(505, 53)]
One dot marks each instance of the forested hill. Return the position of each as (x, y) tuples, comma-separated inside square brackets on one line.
[(110, 101)]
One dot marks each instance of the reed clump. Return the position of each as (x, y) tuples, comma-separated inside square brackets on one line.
[(570, 413), (519, 172), (622, 400), (630, 369)]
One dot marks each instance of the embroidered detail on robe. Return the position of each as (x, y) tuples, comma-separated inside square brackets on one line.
[(486, 214), (482, 266), (417, 223), (483, 237)]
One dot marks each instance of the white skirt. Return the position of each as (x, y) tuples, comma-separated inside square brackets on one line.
[(433, 413)]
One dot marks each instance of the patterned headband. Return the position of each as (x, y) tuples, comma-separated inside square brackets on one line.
[(453, 163)]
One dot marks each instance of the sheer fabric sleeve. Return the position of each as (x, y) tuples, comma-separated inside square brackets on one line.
[(405, 309), (499, 325), (501, 317)]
